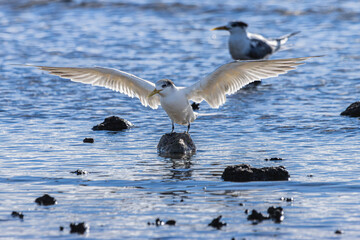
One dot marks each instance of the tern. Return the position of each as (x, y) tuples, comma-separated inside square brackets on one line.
[(249, 46), (225, 80)]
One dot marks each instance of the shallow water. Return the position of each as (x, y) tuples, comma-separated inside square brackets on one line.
[(295, 117)]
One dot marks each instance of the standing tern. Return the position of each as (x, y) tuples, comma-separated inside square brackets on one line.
[(225, 80), (249, 46)]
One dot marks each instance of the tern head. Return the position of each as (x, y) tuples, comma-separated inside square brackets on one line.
[(163, 87), (233, 27)]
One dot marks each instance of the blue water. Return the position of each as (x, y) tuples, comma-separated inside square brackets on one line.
[(43, 120)]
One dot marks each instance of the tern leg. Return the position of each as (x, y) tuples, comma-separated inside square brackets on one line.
[(172, 126)]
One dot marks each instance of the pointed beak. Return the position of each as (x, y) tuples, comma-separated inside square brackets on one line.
[(154, 92), (220, 28)]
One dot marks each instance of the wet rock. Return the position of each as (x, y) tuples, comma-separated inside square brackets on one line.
[(170, 222), (290, 199), (256, 216), (80, 172), (216, 223), (276, 214), (173, 144), (61, 228), (113, 124), (195, 106), (339, 231), (159, 222), (45, 200), (353, 110), (246, 173), (274, 159), (17, 214), (79, 228), (88, 140)]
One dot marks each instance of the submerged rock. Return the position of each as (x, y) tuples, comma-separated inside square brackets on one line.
[(113, 124), (159, 222), (80, 172), (88, 140), (353, 110), (273, 159), (45, 200), (216, 223), (275, 213), (79, 228), (172, 144), (17, 214), (246, 173)]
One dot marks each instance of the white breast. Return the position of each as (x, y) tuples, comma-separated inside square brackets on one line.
[(177, 107)]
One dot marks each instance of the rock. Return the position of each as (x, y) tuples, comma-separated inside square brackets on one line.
[(61, 228), (290, 199), (215, 223), (17, 214), (353, 110), (276, 214), (246, 173), (274, 159), (80, 172), (195, 106), (339, 231), (79, 228), (113, 124), (256, 216), (176, 144), (88, 140), (159, 222), (170, 222), (45, 200)]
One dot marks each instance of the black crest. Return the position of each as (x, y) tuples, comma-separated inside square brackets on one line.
[(238, 24)]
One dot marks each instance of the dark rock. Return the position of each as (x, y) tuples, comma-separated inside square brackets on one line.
[(170, 222), (159, 222), (17, 214), (339, 231), (256, 216), (61, 228), (246, 211), (287, 199), (172, 144), (88, 140), (216, 223), (310, 175), (241, 204), (246, 173), (113, 124), (353, 110), (79, 228), (195, 106), (276, 214), (45, 200), (274, 159), (80, 172)]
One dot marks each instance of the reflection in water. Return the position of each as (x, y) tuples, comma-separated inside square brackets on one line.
[(180, 168)]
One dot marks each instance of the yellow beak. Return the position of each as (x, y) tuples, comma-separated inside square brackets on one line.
[(154, 92), (220, 28)]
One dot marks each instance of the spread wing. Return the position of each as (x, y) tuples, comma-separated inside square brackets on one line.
[(116, 80), (229, 78)]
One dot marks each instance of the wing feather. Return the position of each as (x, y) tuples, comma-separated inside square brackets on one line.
[(229, 78), (116, 80)]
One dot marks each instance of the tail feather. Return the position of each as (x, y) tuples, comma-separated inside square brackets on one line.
[(283, 39)]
